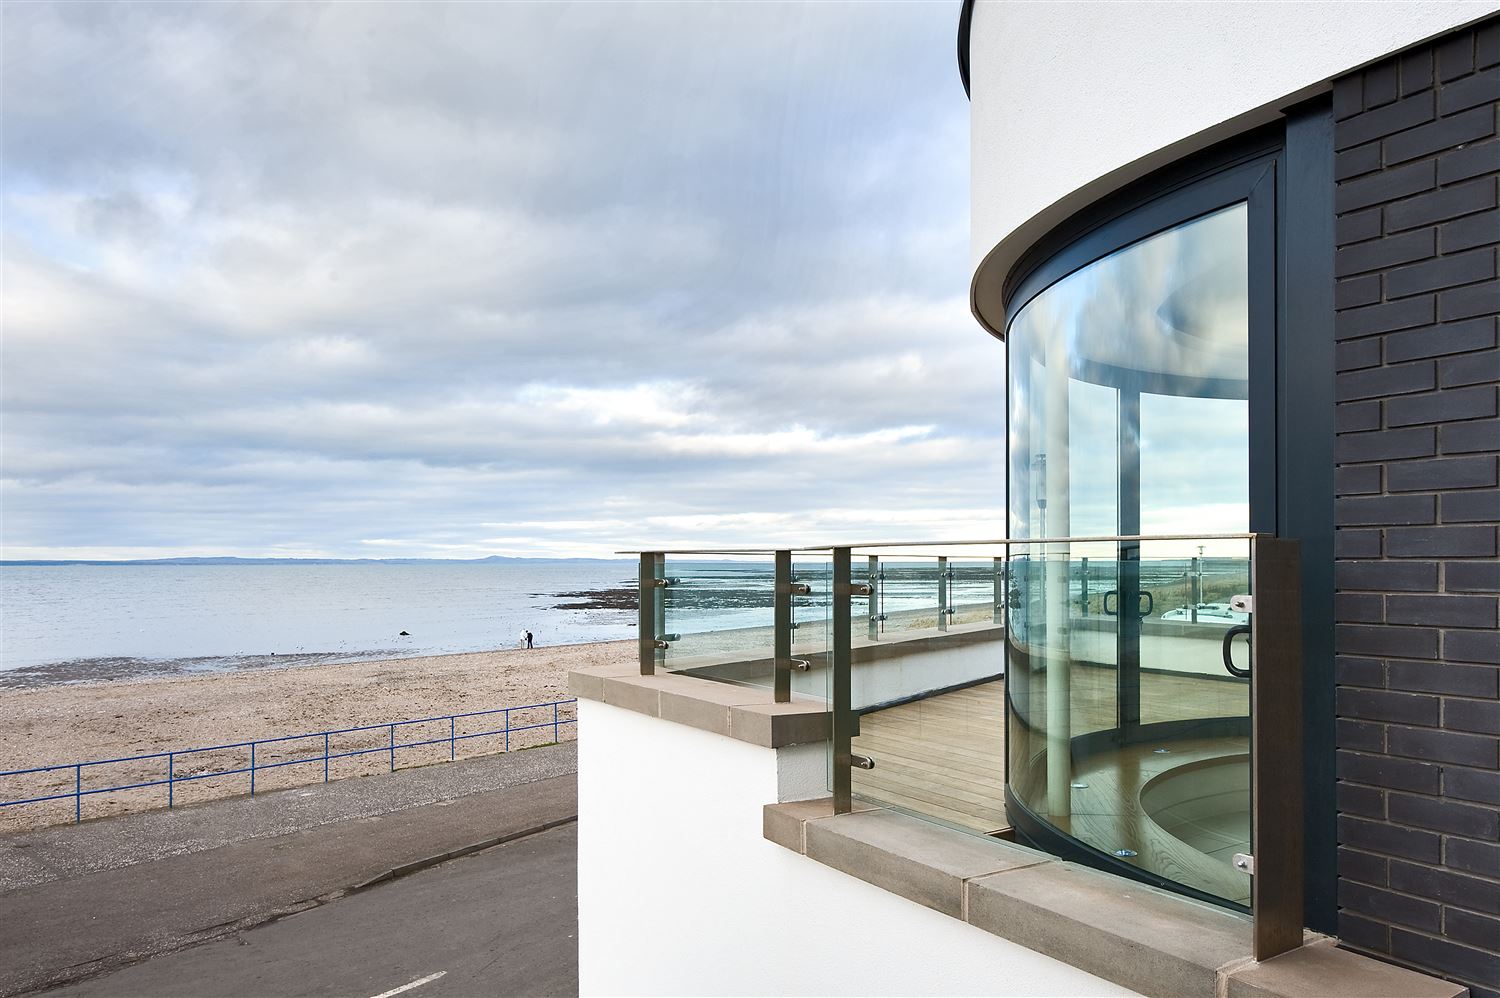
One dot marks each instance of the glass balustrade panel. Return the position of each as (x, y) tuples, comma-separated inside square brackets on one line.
[(718, 617), (928, 689), (1143, 758)]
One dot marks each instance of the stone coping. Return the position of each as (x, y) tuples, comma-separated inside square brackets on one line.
[(862, 651), (745, 713), (1142, 938)]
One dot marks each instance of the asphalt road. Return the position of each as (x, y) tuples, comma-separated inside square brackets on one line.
[(77, 902), (503, 921)]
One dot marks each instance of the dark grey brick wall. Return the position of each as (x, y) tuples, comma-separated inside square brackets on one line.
[(1417, 608)]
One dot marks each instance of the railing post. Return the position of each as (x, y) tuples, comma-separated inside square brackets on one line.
[(782, 629), (325, 757), (393, 748), (78, 794), (843, 710), (555, 737), (651, 618), (507, 729), (1083, 589), (875, 583), (171, 765), (1000, 595), (1276, 764), (452, 738), (1195, 588), (942, 620), (252, 769)]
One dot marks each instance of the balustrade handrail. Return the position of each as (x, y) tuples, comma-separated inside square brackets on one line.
[(963, 542), (1275, 683), (171, 755)]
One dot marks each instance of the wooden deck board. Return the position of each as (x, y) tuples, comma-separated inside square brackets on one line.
[(944, 757)]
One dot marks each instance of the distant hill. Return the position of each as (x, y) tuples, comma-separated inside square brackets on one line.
[(314, 561)]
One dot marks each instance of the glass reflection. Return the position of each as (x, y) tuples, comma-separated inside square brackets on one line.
[(1128, 393)]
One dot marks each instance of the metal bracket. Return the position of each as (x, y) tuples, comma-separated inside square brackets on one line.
[(799, 588), (1244, 862), (861, 761), (662, 583), (857, 589), (801, 664), (1242, 604)]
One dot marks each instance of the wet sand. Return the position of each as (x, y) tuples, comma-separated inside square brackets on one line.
[(65, 724)]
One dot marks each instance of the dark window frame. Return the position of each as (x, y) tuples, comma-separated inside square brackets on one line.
[(1283, 172)]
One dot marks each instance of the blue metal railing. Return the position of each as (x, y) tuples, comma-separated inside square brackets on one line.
[(78, 793)]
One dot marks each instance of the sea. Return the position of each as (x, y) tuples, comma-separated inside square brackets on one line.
[(75, 622), (65, 623)]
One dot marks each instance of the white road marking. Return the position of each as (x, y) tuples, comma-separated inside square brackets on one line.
[(414, 984)]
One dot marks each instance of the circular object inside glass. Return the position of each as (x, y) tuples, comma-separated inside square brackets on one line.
[(1128, 393)]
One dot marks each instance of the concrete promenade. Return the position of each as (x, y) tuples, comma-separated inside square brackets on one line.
[(82, 901)]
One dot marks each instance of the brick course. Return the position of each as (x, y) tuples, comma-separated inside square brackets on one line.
[(1417, 511)]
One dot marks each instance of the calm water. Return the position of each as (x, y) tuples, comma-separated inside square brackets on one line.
[(225, 615), (68, 623), (74, 622)]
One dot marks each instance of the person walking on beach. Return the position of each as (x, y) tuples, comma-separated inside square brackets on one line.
[(528, 639)]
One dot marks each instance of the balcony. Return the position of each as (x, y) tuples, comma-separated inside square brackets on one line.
[(1089, 696), (1076, 744)]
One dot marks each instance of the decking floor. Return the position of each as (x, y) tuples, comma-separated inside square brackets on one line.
[(944, 757)]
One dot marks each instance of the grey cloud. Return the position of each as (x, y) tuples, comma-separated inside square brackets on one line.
[(310, 277)]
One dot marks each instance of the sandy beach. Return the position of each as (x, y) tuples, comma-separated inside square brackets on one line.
[(59, 725)]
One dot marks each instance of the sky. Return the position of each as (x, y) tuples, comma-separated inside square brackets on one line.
[(416, 280)]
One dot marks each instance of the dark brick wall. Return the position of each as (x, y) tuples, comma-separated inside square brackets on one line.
[(1417, 608)]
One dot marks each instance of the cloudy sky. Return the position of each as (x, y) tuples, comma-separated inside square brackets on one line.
[(420, 280)]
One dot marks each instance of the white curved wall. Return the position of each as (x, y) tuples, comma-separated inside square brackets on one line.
[(1070, 100)]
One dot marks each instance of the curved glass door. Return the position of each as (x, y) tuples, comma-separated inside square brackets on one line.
[(1129, 415)]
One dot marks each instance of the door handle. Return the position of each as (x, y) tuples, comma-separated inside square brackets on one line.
[(1139, 612), (1229, 665)]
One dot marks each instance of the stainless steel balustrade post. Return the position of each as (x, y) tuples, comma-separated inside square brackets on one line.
[(252, 769), (942, 616), (651, 618), (77, 795), (999, 614), (325, 757), (1276, 764), (1083, 588), (393, 748), (171, 765), (843, 710), (1195, 588), (782, 625), (453, 736), (875, 584)]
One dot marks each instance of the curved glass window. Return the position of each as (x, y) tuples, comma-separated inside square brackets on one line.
[(1129, 415)]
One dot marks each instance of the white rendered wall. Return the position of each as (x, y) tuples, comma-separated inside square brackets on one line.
[(678, 893), (1066, 93), (890, 679)]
